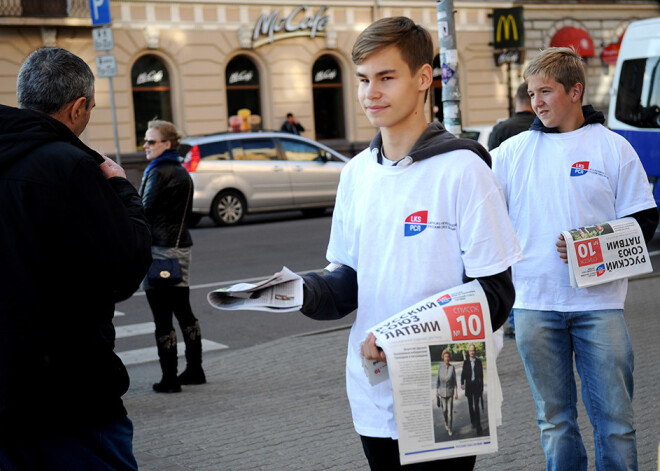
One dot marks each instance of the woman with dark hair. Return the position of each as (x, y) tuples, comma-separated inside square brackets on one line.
[(166, 192)]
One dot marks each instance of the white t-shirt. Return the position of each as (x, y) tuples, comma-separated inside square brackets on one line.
[(410, 231), (554, 182)]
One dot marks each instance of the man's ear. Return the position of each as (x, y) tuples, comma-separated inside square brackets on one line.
[(78, 107), (425, 77), (576, 92)]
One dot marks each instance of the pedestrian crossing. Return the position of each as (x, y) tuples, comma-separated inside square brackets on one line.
[(147, 354)]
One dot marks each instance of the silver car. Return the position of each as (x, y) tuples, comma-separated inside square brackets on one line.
[(240, 173)]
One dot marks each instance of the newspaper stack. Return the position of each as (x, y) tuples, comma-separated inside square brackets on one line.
[(605, 252), (413, 341)]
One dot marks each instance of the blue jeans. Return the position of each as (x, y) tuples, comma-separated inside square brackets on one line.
[(103, 448), (599, 341)]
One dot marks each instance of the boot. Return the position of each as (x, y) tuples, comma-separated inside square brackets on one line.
[(193, 374), (168, 364)]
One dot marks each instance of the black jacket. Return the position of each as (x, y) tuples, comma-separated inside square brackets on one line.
[(73, 243), (519, 122), (166, 190)]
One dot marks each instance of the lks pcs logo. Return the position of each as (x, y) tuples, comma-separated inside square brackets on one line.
[(579, 169), (418, 222)]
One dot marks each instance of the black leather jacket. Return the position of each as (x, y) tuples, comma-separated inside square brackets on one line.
[(165, 191)]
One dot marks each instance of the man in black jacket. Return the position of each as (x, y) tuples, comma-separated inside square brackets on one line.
[(472, 382), (519, 122), (75, 241)]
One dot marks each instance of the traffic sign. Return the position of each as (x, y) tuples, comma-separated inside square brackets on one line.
[(100, 10), (106, 66), (103, 39)]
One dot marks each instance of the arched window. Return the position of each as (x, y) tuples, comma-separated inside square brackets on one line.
[(435, 98), (328, 98), (151, 94), (243, 87)]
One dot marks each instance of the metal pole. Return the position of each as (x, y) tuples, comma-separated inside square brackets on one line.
[(114, 122), (451, 92), (510, 89)]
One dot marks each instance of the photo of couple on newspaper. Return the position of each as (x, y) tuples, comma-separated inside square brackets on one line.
[(460, 400)]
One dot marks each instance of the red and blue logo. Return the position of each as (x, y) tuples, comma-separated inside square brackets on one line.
[(600, 269), (579, 168), (444, 299), (416, 223)]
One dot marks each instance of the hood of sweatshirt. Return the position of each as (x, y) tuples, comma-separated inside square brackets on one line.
[(434, 140), (22, 131)]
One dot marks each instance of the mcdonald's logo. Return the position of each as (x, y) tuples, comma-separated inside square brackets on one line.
[(503, 23), (508, 28)]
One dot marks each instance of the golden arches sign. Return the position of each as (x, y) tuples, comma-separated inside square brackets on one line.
[(503, 23), (509, 29)]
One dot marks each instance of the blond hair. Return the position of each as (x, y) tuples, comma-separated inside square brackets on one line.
[(562, 64), (167, 131)]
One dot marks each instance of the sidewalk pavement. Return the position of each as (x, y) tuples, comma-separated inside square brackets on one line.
[(282, 406)]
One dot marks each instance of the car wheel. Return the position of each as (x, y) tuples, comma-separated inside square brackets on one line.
[(313, 212), (228, 208)]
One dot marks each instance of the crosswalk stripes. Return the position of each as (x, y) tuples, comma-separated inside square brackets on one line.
[(144, 355)]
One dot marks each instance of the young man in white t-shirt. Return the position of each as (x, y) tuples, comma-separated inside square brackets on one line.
[(570, 171), (417, 212)]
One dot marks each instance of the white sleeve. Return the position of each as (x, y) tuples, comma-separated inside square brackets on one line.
[(488, 241)]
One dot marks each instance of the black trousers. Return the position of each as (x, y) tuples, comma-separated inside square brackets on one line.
[(383, 455), (166, 302)]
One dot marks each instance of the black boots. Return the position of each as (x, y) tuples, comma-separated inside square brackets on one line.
[(168, 363), (193, 374)]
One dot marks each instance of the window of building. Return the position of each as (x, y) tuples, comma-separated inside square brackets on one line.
[(151, 94), (328, 98), (243, 86)]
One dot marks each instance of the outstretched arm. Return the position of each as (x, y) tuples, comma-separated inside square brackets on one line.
[(331, 295)]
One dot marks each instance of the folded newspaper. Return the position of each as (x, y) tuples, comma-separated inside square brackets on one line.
[(605, 252), (432, 422), (282, 292)]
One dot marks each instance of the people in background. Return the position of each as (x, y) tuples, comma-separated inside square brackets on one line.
[(291, 125), (167, 192), (519, 122)]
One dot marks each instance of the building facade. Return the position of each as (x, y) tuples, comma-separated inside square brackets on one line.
[(200, 62)]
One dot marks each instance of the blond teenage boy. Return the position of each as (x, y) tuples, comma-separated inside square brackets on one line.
[(417, 212), (570, 171)]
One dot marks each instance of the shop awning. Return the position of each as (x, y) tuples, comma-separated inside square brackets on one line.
[(577, 38)]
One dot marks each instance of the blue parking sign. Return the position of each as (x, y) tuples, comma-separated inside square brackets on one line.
[(100, 10)]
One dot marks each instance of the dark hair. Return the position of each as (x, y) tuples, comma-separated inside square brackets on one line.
[(50, 78), (413, 41), (522, 95)]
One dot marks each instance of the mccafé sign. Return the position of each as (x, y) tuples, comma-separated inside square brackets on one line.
[(299, 22)]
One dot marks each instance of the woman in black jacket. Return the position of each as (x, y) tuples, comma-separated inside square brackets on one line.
[(166, 192)]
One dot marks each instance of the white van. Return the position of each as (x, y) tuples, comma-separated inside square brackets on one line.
[(635, 96)]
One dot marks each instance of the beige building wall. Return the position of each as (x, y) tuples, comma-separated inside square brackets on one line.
[(197, 38)]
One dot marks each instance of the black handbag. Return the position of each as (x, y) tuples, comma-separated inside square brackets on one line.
[(167, 271), (164, 272)]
